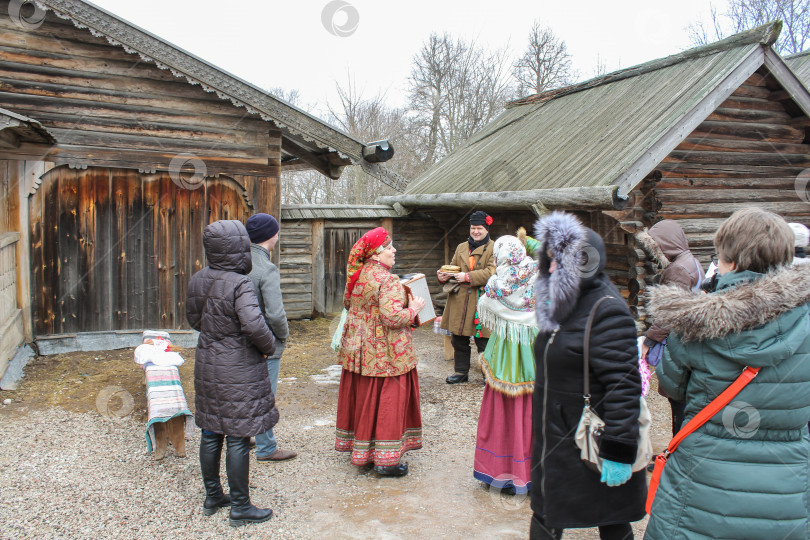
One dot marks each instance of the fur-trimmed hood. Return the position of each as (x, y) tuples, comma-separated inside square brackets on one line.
[(580, 255), (740, 303), (664, 242), (651, 248)]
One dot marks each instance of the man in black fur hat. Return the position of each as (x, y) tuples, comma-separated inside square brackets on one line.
[(476, 265)]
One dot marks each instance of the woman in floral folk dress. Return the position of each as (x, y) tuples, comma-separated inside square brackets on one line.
[(378, 415), (503, 448)]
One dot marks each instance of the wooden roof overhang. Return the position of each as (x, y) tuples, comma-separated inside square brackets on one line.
[(539, 201), (16, 130), (307, 142)]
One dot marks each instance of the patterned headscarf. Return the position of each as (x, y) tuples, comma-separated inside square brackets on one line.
[(508, 303), (513, 282), (374, 241)]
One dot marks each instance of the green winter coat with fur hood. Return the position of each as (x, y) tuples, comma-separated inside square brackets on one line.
[(746, 472)]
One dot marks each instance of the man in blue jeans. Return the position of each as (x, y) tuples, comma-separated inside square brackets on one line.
[(263, 231)]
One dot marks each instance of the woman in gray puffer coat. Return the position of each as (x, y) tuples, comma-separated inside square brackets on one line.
[(233, 398)]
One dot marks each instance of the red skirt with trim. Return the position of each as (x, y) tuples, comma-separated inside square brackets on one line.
[(378, 418), (503, 447)]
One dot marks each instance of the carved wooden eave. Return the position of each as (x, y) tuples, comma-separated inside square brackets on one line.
[(16, 130), (228, 87)]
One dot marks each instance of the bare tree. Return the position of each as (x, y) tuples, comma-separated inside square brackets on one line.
[(746, 14), (455, 89), (545, 65), (302, 186), (601, 67), (367, 120)]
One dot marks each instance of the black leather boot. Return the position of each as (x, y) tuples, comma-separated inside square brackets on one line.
[(237, 462), (210, 454), (400, 469)]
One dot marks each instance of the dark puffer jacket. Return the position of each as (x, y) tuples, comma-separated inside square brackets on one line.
[(232, 385), (565, 492)]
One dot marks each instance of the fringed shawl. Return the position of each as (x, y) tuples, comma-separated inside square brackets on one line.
[(507, 309)]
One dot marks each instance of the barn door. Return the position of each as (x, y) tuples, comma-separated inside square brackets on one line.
[(338, 243), (112, 249)]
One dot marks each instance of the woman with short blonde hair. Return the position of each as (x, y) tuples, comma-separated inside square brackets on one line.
[(754, 239), (744, 473)]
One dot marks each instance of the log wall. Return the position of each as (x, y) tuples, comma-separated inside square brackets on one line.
[(752, 151), (11, 321), (420, 247), (98, 100)]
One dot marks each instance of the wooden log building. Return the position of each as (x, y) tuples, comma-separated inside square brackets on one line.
[(690, 137), (317, 241), (116, 150)]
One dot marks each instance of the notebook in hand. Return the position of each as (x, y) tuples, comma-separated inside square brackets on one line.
[(416, 284)]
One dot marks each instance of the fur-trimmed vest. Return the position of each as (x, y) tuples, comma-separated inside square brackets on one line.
[(745, 473)]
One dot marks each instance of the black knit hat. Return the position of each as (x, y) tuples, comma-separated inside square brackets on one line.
[(261, 227), (481, 218)]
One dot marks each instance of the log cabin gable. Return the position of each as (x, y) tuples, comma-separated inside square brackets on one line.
[(752, 150)]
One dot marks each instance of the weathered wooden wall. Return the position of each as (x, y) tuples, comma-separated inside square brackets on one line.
[(106, 107), (748, 152), (11, 323), (8, 196), (113, 249), (339, 237), (296, 251)]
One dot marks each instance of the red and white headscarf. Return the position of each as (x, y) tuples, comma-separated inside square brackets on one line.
[(374, 241)]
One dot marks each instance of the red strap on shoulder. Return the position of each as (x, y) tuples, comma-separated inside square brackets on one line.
[(700, 418), (714, 407)]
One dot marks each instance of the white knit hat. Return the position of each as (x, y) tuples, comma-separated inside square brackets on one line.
[(801, 234)]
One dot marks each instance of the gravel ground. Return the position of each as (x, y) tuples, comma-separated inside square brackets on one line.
[(69, 474)]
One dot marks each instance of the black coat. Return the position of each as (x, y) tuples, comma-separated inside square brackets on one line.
[(565, 492), (232, 385)]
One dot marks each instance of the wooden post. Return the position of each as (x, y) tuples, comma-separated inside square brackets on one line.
[(28, 174), (446, 247), (318, 270), (268, 193), (449, 352)]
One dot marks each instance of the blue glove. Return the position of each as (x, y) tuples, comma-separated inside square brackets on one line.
[(615, 474)]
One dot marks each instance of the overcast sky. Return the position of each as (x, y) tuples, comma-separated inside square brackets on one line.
[(299, 45)]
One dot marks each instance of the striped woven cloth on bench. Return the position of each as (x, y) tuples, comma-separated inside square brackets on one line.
[(165, 399)]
